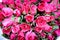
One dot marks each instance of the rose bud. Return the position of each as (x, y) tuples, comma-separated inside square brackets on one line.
[(7, 12), (29, 18), (31, 36), (25, 27)]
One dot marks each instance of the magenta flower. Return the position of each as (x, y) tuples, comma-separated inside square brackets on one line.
[(7, 12), (38, 29), (15, 28), (25, 8), (57, 32), (41, 6), (29, 18), (6, 31), (47, 28), (33, 9), (12, 36), (21, 36), (25, 27), (7, 22), (31, 36)]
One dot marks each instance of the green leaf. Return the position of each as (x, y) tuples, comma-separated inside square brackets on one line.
[(56, 27), (6, 36)]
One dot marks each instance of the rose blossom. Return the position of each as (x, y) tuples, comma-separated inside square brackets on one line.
[(12, 36), (33, 9), (40, 21), (29, 18), (7, 22), (20, 36), (25, 27), (57, 32), (6, 30), (31, 36), (38, 29), (7, 11), (41, 6), (47, 28), (18, 3), (15, 28), (25, 8)]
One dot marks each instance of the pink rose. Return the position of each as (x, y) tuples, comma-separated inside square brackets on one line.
[(25, 27), (38, 29), (17, 12), (33, 9), (7, 22), (57, 32), (41, 6), (7, 12), (57, 14), (18, 2), (12, 36), (40, 21), (31, 36), (48, 7), (21, 36), (47, 28), (25, 8), (29, 18), (15, 28), (49, 18), (6, 30)]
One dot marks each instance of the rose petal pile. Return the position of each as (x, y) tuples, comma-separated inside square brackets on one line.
[(30, 19)]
